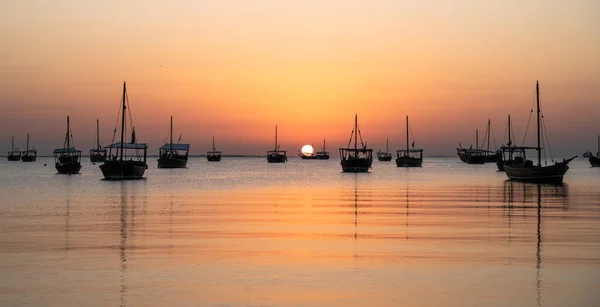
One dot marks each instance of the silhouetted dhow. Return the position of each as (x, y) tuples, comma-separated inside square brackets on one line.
[(29, 155), (13, 155), (214, 155), (276, 155), (527, 171), (67, 159), (97, 153), (173, 155), (119, 165), (385, 155), (475, 156), (409, 157), (356, 160)]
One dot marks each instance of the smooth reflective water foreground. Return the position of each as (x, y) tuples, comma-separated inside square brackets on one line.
[(247, 233)]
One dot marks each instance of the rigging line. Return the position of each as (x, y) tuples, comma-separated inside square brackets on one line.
[(351, 135), (547, 139), (117, 123), (361, 140)]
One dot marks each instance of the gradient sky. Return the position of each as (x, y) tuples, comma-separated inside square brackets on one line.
[(235, 69)]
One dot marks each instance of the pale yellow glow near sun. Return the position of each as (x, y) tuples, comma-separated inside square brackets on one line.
[(307, 149)]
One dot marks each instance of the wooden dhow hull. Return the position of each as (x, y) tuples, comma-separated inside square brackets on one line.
[(539, 174), (594, 161), (409, 162), (28, 158), (360, 165), (276, 158), (68, 168), (172, 162), (386, 157), (97, 158), (213, 158), (13, 157), (475, 159), (126, 170)]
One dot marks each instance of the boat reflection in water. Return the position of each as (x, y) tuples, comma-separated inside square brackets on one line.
[(538, 197)]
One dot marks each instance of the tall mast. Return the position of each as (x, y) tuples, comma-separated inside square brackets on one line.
[(355, 133), (171, 135), (123, 119), (476, 139), (213, 143), (598, 153), (98, 133), (12, 145), (539, 149), (386, 145), (27, 141), (488, 138), (407, 135), (324, 143), (68, 135), (509, 131), (276, 150), (509, 139)]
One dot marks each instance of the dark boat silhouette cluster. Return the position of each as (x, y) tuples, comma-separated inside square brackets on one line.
[(123, 160)]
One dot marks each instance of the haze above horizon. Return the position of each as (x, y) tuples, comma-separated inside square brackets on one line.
[(235, 69)]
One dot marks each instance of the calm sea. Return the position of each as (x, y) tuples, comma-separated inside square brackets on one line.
[(246, 233)]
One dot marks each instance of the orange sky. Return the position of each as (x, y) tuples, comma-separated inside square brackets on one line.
[(235, 69)]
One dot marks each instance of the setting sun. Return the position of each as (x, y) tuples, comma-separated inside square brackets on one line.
[(307, 149)]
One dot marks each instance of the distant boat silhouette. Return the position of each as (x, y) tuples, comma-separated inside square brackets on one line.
[(384, 155), (67, 159), (13, 155), (319, 155), (356, 160), (97, 153), (173, 155), (29, 155), (527, 171), (276, 155), (214, 155), (409, 157), (595, 161), (475, 156), (117, 167), (491, 156), (511, 154)]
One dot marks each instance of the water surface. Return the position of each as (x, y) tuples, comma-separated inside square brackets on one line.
[(246, 233)]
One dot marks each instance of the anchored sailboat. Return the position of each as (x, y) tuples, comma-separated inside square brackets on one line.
[(29, 155), (385, 155), (475, 156), (214, 155), (409, 157), (97, 153), (13, 155), (527, 171), (356, 160), (173, 155), (68, 159), (276, 155), (116, 166)]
